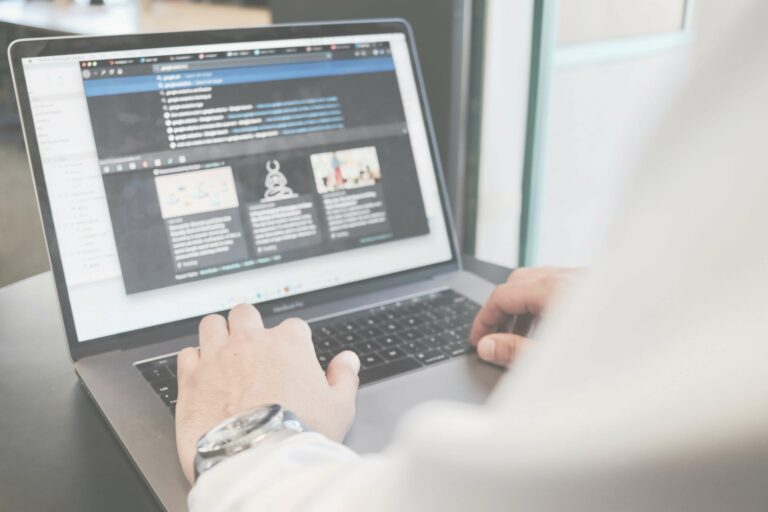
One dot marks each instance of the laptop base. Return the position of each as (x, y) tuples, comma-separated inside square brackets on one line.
[(145, 427)]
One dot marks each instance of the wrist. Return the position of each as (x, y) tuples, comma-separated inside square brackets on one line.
[(264, 425)]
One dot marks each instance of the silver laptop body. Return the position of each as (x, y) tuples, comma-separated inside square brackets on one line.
[(293, 167)]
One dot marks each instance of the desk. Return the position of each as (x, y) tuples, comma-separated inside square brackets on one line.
[(56, 451)]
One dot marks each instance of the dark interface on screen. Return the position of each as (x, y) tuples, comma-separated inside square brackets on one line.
[(221, 162)]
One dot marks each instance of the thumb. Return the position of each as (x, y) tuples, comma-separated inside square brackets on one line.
[(500, 348), (342, 373)]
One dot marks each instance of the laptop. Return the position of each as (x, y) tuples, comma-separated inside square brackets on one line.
[(292, 167)]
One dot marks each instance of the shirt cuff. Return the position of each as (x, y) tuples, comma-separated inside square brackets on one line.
[(284, 474)]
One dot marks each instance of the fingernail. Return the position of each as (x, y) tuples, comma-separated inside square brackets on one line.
[(350, 359), (486, 348)]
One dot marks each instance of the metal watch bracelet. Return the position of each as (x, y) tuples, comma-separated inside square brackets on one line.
[(263, 425)]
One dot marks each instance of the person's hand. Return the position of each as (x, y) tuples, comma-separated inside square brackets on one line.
[(528, 291), (240, 365)]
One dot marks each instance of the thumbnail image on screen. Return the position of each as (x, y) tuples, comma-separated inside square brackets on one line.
[(351, 168)]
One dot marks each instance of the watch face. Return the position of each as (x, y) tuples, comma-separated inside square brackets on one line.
[(234, 431)]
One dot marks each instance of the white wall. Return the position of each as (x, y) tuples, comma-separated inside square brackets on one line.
[(600, 119), (505, 103)]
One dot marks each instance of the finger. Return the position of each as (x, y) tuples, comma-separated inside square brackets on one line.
[(213, 333), (245, 321), (294, 329), (186, 362), (500, 348), (514, 298), (342, 374), (529, 273), (521, 273)]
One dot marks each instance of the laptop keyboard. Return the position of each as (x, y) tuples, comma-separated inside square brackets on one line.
[(390, 339)]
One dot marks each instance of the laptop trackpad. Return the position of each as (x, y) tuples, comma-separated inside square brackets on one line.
[(381, 405)]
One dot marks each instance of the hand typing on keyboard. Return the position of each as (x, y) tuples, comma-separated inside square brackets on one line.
[(501, 327), (241, 365)]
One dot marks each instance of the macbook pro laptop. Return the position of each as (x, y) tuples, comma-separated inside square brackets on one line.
[(292, 167)]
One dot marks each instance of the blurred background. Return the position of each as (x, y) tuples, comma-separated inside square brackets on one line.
[(541, 110)]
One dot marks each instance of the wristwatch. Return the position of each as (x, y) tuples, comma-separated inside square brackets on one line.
[(266, 424)]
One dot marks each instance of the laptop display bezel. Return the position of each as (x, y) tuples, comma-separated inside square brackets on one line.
[(73, 45)]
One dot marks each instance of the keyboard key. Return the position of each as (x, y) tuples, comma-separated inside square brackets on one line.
[(391, 326), (451, 335), (385, 315), (455, 351), (431, 357), (391, 354), (382, 371), (157, 374), (469, 308), (407, 311), (365, 347), (432, 341), (368, 360), (165, 386), (348, 327), (430, 328), (464, 331), (413, 321), (413, 347), (348, 339), (335, 350), (325, 330), (410, 334), (166, 361), (390, 340), (168, 398), (443, 299), (370, 332), (144, 366), (326, 343), (370, 321)]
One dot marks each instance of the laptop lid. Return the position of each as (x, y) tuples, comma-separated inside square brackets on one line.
[(180, 174)]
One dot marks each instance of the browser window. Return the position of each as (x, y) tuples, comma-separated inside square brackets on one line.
[(183, 181)]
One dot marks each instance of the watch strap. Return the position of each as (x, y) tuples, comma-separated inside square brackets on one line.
[(290, 426)]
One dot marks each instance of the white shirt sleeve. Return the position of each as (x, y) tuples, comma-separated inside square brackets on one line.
[(647, 391), (282, 476)]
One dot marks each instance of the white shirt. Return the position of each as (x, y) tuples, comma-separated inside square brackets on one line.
[(648, 386)]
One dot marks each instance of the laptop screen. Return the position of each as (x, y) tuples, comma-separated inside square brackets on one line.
[(185, 180)]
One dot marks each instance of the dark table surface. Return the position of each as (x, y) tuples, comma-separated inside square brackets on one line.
[(56, 452)]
